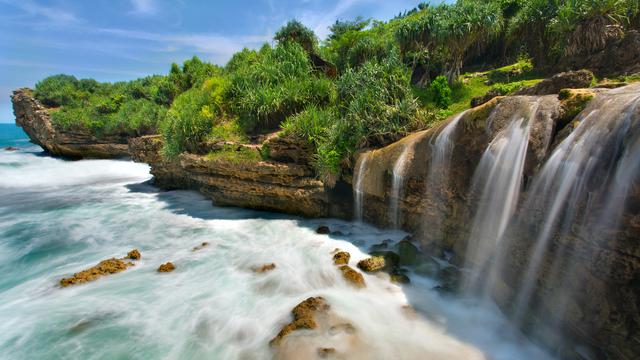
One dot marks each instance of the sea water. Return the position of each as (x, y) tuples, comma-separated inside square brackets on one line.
[(58, 217)]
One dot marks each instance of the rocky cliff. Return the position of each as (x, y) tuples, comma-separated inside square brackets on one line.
[(35, 120)]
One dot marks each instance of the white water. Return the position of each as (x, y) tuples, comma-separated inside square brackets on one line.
[(399, 169), (498, 180), (565, 182), (361, 169), (213, 305)]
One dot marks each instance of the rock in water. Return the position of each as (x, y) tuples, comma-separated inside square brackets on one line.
[(341, 258), (10, 148), (352, 276), (323, 230), (400, 279), (408, 252), (200, 247), (167, 267), (372, 264), (134, 254), (264, 268), (105, 267), (304, 317)]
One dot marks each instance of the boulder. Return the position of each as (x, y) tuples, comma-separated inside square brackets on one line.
[(304, 317), (352, 276), (479, 100), (408, 252), (400, 279), (341, 258), (134, 254), (10, 148), (166, 267), (372, 264), (553, 85)]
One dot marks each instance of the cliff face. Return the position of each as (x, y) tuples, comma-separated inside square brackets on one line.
[(288, 187), (35, 120)]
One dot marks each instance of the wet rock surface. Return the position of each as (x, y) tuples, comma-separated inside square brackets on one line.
[(166, 267), (103, 268), (304, 317), (372, 264), (341, 258), (264, 268), (352, 276)]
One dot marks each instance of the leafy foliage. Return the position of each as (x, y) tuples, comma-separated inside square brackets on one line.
[(441, 92), (295, 32)]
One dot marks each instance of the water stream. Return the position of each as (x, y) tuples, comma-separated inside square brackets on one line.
[(399, 169)]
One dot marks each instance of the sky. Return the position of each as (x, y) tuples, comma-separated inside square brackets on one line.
[(113, 40)]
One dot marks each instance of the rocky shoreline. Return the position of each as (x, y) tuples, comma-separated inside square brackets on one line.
[(285, 182)]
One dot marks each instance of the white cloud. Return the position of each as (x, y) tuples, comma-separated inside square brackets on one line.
[(52, 14), (144, 7), (320, 23)]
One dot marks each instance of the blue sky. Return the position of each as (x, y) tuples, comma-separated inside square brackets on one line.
[(112, 40)]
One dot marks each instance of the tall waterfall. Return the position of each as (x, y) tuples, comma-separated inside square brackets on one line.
[(399, 169), (358, 181), (498, 182), (581, 191)]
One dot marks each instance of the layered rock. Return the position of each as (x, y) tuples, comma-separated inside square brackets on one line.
[(261, 184), (35, 120)]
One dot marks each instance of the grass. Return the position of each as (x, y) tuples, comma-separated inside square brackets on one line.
[(238, 155)]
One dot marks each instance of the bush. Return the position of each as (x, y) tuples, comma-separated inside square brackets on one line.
[(192, 117), (441, 92), (57, 90), (295, 31), (279, 82)]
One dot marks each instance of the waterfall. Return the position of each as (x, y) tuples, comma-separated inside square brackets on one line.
[(358, 183), (498, 181), (399, 169), (581, 190), (438, 174)]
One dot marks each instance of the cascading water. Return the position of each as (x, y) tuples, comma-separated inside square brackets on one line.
[(581, 190), (399, 169), (358, 182), (438, 173), (498, 180)]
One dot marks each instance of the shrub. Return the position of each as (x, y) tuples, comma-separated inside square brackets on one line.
[(192, 115), (441, 92), (56, 90), (295, 31), (279, 82)]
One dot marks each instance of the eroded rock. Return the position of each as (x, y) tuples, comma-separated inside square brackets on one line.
[(166, 267), (264, 268), (341, 258), (200, 247), (134, 254), (565, 80), (104, 267), (352, 276), (304, 317), (372, 264)]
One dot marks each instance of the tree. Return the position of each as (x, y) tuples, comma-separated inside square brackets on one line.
[(295, 31)]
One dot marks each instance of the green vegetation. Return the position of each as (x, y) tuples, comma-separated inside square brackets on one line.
[(392, 78)]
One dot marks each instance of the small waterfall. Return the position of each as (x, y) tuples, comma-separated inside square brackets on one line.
[(498, 181), (581, 190), (399, 169), (358, 183), (438, 174)]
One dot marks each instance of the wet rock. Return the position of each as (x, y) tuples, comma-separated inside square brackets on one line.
[(323, 230), (341, 258), (399, 278), (105, 267), (304, 317), (134, 254), (391, 259), (479, 100), (427, 267), (326, 352), (264, 268), (409, 253), (200, 247), (10, 148), (166, 267), (553, 85), (381, 246), (449, 278), (372, 264), (352, 276), (337, 233)]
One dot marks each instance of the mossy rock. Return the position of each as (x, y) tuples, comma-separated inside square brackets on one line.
[(408, 252), (352, 276), (166, 267), (341, 258), (391, 259), (400, 279), (572, 102), (428, 267)]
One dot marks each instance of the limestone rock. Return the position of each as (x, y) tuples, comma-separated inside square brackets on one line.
[(352, 276), (372, 264), (341, 258), (166, 267), (304, 317), (134, 254), (566, 80), (105, 267)]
